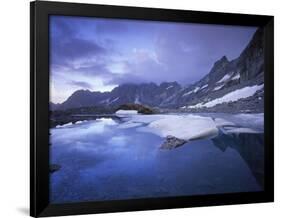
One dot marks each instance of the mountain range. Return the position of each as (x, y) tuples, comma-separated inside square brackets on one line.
[(230, 86)]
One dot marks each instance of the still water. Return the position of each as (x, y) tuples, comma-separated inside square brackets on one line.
[(100, 161)]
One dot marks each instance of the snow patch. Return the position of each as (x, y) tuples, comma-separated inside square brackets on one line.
[(169, 87), (188, 93), (237, 76), (106, 121), (189, 127), (196, 89), (126, 112), (199, 105), (218, 87), (205, 86), (225, 78), (81, 121), (231, 97), (64, 125), (115, 99)]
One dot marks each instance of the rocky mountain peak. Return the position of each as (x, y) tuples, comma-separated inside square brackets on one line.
[(221, 61)]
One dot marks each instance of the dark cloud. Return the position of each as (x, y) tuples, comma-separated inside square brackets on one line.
[(71, 49), (67, 45)]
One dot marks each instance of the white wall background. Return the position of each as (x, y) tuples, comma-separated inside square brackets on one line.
[(14, 108)]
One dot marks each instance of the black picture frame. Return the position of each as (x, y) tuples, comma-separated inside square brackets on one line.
[(39, 107)]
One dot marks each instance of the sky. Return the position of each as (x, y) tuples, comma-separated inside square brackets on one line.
[(99, 54)]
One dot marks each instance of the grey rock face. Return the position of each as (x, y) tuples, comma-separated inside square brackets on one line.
[(172, 142)]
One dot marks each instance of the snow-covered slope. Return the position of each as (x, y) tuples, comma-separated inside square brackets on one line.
[(233, 96)]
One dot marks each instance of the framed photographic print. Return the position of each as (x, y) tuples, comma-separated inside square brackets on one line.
[(140, 108)]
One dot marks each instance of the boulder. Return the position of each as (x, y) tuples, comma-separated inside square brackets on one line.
[(172, 142)]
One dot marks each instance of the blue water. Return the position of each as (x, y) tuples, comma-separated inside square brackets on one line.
[(100, 161)]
